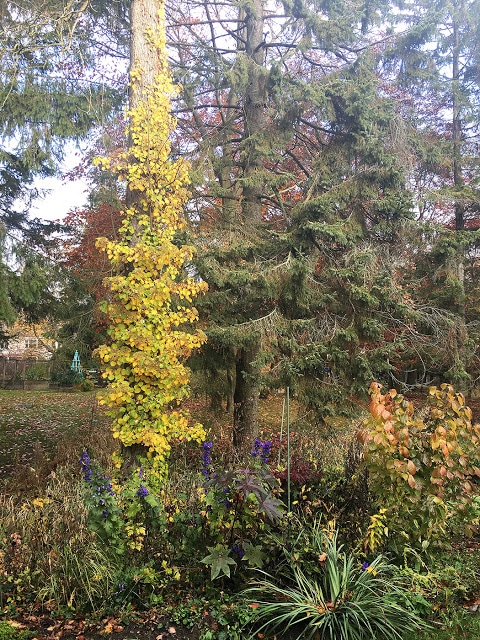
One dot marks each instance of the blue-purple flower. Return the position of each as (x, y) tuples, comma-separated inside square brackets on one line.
[(261, 449), (236, 548), (142, 491), (206, 458), (86, 465), (267, 447), (101, 489)]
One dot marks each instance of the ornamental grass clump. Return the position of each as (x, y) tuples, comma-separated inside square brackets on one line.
[(48, 555), (345, 600)]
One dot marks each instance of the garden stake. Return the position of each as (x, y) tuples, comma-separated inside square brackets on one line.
[(288, 449), (281, 433)]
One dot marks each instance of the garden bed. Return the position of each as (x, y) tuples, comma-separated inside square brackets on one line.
[(51, 498)]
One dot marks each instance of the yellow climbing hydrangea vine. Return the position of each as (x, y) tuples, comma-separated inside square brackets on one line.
[(150, 303)]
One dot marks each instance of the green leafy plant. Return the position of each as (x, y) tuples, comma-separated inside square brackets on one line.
[(105, 515), (217, 615), (228, 616), (67, 377), (9, 632), (87, 385), (123, 519), (346, 600), (38, 371), (444, 581), (459, 625), (239, 505)]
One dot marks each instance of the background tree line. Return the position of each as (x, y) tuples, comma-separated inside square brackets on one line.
[(334, 200)]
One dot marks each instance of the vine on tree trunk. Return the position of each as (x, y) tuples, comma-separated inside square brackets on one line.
[(150, 297)]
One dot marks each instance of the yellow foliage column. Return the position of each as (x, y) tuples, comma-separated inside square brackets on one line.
[(150, 307)]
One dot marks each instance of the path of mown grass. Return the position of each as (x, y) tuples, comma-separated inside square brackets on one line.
[(33, 421)]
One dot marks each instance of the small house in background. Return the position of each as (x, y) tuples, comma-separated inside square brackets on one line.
[(27, 342), (26, 356)]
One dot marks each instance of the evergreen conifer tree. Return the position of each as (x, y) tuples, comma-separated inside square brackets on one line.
[(434, 67), (49, 93), (275, 112)]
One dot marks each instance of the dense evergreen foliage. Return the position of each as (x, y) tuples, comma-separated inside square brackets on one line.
[(54, 87)]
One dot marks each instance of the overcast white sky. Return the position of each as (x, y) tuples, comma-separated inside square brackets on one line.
[(64, 195)]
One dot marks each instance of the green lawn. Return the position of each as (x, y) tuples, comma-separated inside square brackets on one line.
[(49, 418)]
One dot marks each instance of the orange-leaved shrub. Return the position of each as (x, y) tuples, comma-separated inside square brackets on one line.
[(422, 468)]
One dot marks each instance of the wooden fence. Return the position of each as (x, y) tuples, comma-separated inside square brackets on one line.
[(28, 373)]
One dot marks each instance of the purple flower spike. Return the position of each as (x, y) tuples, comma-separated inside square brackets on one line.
[(257, 447), (236, 548), (267, 447), (206, 459), (86, 463), (142, 492), (261, 449)]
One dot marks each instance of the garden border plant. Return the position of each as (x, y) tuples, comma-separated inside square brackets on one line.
[(239, 507), (421, 470), (344, 599)]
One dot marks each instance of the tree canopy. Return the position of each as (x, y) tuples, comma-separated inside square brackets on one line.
[(54, 87), (333, 205)]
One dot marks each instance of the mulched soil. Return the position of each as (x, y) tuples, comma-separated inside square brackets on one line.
[(475, 407), (151, 626)]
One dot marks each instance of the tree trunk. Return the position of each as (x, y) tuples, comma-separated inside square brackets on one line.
[(457, 127), (216, 399), (245, 413), (145, 62), (234, 149), (231, 388), (458, 266), (144, 66), (144, 58), (254, 108)]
